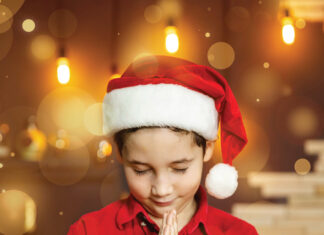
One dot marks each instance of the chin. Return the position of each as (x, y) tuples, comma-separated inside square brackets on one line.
[(158, 211)]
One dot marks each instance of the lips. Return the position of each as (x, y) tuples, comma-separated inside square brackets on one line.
[(163, 203)]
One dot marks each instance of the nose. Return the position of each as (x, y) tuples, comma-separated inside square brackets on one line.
[(161, 186)]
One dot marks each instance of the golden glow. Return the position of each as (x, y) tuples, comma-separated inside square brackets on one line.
[(66, 167), (115, 75), (153, 14), (18, 213), (43, 47), (63, 70), (266, 65), (4, 128), (300, 23), (12, 154), (260, 83), (5, 19), (30, 215), (60, 144), (64, 109), (32, 143), (207, 34), (221, 55), (93, 119), (288, 31), (104, 151), (28, 25), (171, 39), (302, 166), (303, 122), (1, 165)]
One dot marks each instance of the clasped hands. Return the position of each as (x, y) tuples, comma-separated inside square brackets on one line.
[(169, 224)]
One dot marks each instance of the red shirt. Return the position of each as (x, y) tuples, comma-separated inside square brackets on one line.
[(129, 217)]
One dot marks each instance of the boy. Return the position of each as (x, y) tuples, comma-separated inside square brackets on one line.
[(163, 114)]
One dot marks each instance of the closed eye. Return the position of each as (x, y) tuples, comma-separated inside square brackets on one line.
[(177, 170), (140, 172), (182, 170)]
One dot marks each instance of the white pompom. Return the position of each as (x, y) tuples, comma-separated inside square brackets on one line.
[(221, 181)]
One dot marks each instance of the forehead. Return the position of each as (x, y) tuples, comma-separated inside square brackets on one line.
[(151, 143)]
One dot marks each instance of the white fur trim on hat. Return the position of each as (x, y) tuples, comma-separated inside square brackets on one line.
[(160, 105), (221, 181)]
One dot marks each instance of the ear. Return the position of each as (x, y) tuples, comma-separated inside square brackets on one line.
[(210, 145)]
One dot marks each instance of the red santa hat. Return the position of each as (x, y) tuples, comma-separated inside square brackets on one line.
[(168, 91)]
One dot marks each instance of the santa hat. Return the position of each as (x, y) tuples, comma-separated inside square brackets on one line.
[(168, 91)]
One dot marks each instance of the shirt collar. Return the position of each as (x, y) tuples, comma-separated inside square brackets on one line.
[(131, 208)]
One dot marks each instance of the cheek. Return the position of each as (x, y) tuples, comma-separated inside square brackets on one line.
[(190, 181), (138, 185)]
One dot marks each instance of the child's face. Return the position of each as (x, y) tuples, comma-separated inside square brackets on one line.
[(163, 168)]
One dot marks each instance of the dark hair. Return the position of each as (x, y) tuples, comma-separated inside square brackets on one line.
[(120, 136)]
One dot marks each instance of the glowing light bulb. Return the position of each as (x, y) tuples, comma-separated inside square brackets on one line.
[(171, 39), (288, 30), (63, 70)]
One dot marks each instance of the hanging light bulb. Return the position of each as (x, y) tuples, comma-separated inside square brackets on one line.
[(63, 69), (288, 30), (171, 38)]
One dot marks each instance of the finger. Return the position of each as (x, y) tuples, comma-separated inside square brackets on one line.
[(175, 224), (176, 221), (163, 224), (167, 230), (169, 218), (164, 219)]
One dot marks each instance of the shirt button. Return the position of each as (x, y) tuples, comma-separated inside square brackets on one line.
[(143, 223)]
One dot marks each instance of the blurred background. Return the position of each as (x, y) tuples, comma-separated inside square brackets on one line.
[(57, 57)]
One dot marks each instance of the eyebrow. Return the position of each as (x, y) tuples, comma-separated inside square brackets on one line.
[(183, 160)]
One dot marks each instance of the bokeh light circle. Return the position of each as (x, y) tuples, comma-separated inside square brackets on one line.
[(93, 119), (303, 121), (237, 19), (302, 166), (6, 43), (286, 90), (262, 84), (266, 65), (220, 55), (300, 23), (145, 64), (153, 14), (112, 186), (18, 212), (5, 14), (28, 25), (170, 8), (6, 18), (65, 109), (207, 34), (13, 5), (43, 47), (13, 121), (298, 118), (256, 153), (62, 23), (65, 167)]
